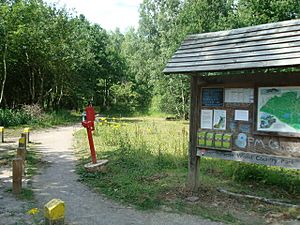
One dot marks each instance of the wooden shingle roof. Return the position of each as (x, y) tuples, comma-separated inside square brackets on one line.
[(264, 46)]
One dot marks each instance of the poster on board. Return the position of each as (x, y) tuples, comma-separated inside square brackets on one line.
[(206, 119), (241, 115), (219, 120), (239, 95), (212, 97), (278, 109)]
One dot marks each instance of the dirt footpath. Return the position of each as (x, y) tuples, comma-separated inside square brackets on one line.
[(83, 206)]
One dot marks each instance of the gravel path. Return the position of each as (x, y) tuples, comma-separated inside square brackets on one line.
[(83, 206)]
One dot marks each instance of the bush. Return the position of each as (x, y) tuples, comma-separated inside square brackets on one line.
[(34, 111), (34, 116), (9, 117)]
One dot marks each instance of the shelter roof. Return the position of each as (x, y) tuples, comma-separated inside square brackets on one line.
[(264, 46)]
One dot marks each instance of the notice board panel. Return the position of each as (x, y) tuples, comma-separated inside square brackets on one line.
[(212, 97), (251, 138)]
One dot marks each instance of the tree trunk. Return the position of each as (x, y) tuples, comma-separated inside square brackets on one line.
[(31, 79), (4, 73), (41, 96)]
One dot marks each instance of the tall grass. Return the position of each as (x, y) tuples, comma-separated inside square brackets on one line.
[(148, 158)]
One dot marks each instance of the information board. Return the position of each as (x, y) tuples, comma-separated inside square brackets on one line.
[(279, 109), (212, 97)]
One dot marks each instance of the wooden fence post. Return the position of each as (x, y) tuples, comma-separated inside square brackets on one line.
[(2, 134), (17, 175), (21, 153)]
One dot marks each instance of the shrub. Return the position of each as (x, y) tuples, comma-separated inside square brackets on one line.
[(9, 117), (34, 111)]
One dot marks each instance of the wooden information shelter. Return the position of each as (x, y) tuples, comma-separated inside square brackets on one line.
[(245, 95)]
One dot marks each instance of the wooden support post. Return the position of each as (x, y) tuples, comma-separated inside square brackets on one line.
[(22, 142), (2, 134), (21, 153), (194, 160), (17, 175), (54, 212), (27, 132)]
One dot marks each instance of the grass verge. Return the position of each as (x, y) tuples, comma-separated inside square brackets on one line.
[(148, 169)]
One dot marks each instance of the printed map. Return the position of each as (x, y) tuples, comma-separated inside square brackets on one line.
[(279, 109)]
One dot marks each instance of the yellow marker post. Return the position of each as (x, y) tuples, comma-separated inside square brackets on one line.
[(2, 134), (27, 132), (55, 212), (22, 143)]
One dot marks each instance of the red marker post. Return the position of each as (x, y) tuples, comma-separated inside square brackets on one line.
[(88, 123)]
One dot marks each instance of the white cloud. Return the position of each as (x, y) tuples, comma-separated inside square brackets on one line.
[(109, 14)]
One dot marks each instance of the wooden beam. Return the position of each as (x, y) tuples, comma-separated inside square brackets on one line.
[(194, 161), (263, 159)]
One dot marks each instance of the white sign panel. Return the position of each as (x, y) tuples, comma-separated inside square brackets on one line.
[(219, 120), (239, 95), (242, 115), (206, 119)]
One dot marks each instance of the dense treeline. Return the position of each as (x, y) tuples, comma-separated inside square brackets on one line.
[(54, 59), (57, 60)]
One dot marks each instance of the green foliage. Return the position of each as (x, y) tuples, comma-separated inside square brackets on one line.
[(9, 117), (57, 60), (284, 180), (14, 117), (141, 156), (148, 158), (54, 118)]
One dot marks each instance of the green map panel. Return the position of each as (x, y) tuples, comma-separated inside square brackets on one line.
[(285, 107)]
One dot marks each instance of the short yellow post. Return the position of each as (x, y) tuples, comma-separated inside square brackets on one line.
[(22, 143), (2, 134), (55, 212), (27, 132)]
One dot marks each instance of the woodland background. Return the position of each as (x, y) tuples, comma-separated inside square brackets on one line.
[(52, 58)]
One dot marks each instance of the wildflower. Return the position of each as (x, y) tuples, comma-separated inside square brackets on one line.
[(33, 211)]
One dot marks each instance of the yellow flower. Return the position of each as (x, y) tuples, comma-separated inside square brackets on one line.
[(33, 211)]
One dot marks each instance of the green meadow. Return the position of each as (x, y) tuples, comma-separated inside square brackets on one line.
[(148, 166)]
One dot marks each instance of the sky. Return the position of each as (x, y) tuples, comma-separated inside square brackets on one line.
[(109, 14)]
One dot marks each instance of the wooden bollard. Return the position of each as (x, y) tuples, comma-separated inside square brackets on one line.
[(27, 132), (22, 142), (2, 134), (54, 212), (17, 175), (21, 153)]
